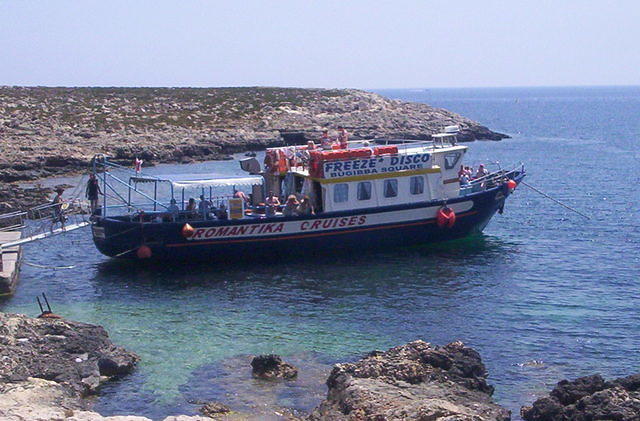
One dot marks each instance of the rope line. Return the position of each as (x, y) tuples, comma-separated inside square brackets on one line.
[(35, 265), (555, 200)]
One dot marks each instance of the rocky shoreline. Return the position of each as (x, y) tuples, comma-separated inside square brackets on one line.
[(53, 131), (48, 367)]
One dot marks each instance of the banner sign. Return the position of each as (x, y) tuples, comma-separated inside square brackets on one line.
[(375, 165)]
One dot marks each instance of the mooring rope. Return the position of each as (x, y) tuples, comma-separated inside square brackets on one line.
[(35, 265), (555, 200)]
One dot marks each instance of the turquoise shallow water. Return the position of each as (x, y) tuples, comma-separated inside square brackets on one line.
[(541, 284)]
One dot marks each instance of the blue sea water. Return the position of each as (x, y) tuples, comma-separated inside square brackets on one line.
[(543, 295)]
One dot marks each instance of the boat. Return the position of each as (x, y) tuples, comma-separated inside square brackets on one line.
[(371, 194)]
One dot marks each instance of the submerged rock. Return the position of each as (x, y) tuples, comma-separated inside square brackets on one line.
[(589, 398), (416, 381), (214, 409), (272, 367)]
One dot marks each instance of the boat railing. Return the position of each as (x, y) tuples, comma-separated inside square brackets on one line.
[(12, 221), (490, 180)]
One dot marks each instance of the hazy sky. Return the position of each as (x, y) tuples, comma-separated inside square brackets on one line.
[(363, 44)]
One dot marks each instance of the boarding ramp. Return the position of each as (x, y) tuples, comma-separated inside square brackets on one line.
[(43, 221)]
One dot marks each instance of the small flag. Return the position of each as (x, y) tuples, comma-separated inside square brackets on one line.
[(138, 165)]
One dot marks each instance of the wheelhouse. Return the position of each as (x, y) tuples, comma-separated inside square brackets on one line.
[(367, 173)]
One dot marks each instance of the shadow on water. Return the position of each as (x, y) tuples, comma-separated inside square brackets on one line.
[(431, 258)]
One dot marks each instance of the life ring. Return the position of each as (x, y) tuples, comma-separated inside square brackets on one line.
[(446, 217)]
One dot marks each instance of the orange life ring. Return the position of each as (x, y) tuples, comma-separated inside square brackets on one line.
[(446, 217)]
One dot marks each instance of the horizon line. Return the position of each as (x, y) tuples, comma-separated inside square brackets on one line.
[(324, 88)]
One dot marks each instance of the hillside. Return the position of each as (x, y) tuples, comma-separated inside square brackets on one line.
[(48, 131)]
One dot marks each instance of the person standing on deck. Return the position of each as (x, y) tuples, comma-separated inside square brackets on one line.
[(343, 138), (204, 207), (325, 142), (92, 192), (58, 212), (482, 171)]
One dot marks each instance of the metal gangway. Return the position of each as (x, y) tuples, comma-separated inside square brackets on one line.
[(44, 221)]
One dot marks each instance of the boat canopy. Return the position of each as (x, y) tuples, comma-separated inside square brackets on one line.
[(199, 180)]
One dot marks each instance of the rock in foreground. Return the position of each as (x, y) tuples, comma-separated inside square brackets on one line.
[(416, 381), (589, 398), (272, 367), (75, 355)]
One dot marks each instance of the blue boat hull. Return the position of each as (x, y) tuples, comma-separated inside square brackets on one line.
[(284, 237)]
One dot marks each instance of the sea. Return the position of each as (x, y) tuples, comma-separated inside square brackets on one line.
[(543, 294)]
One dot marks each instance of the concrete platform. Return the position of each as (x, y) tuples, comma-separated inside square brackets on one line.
[(11, 258)]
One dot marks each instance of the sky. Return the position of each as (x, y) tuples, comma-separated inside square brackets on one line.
[(330, 44)]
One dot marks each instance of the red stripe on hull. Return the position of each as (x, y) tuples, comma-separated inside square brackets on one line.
[(318, 234)]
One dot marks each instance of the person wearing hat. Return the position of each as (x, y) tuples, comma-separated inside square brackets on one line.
[(482, 171), (58, 214)]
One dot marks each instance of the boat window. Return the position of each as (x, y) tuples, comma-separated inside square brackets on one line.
[(364, 190), (340, 193), (390, 188), (451, 159), (416, 184)]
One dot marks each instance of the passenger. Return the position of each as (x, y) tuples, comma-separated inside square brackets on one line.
[(204, 207), (238, 194), (271, 204), (291, 206), (325, 142), (482, 171), (221, 212), (343, 138), (311, 145), (463, 171), (173, 209), (464, 179), (92, 192), (305, 207), (192, 207), (58, 211)]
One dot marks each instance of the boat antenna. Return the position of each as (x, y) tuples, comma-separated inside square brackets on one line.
[(39, 304), (554, 200)]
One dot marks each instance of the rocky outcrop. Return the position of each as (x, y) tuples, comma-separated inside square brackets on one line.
[(43, 400), (272, 367), (75, 355), (47, 367), (50, 131), (416, 381), (14, 198), (589, 398)]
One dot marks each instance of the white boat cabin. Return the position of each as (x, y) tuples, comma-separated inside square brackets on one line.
[(367, 174)]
